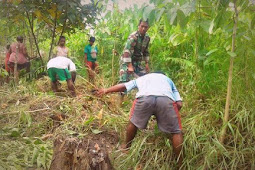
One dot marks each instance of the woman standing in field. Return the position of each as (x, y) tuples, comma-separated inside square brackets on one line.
[(61, 49)]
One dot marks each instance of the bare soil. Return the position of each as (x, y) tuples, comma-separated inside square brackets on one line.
[(91, 152)]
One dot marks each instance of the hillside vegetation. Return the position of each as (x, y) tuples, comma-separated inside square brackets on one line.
[(206, 47)]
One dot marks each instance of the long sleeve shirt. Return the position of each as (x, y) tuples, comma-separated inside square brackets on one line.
[(136, 48)]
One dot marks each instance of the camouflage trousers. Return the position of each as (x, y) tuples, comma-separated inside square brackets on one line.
[(125, 76)]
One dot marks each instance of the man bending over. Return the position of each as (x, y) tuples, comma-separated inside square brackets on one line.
[(65, 69), (157, 95)]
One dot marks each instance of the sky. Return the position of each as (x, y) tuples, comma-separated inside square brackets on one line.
[(122, 3)]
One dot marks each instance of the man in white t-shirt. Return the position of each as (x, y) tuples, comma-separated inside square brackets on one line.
[(158, 96), (65, 69)]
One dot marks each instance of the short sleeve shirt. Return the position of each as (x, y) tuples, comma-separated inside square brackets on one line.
[(61, 63), (61, 51), (21, 50), (154, 84), (91, 52)]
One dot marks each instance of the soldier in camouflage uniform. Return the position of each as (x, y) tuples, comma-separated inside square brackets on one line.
[(135, 51)]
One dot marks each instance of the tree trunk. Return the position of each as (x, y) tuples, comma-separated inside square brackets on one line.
[(63, 28), (113, 54), (64, 25), (230, 77), (31, 45), (53, 33), (72, 153), (35, 39)]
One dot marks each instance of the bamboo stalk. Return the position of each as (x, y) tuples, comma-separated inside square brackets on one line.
[(113, 53), (230, 77), (64, 25)]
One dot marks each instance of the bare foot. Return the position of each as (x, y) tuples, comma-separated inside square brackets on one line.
[(124, 149), (73, 94)]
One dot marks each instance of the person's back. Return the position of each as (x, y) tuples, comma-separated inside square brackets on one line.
[(154, 84), (19, 55), (60, 62), (18, 50), (158, 96), (65, 69)]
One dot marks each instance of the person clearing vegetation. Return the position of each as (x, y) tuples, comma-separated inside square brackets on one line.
[(61, 67), (135, 52), (157, 95)]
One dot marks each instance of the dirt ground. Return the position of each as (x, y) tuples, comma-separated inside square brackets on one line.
[(91, 152)]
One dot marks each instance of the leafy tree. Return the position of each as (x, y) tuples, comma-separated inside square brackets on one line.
[(58, 16)]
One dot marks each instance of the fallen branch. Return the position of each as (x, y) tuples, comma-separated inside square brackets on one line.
[(32, 111)]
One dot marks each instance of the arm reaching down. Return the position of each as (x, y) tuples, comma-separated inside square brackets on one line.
[(85, 59), (126, 58), (116, 88)]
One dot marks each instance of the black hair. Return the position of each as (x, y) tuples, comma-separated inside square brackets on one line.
[(19, 38), (61, 37), (92, 39), (8, 46), (142, 20)]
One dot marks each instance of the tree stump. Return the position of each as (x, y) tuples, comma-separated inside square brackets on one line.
[(76, 154)]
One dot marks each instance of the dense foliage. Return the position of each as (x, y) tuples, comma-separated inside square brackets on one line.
[(191, 41)]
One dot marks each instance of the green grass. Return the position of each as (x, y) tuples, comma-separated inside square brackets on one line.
[(27, 108)]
